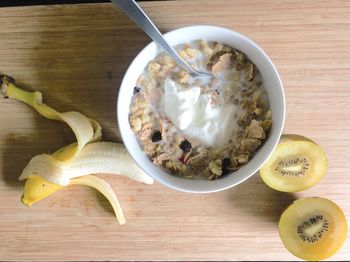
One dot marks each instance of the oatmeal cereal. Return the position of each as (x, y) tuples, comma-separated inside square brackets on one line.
[(201, 126)]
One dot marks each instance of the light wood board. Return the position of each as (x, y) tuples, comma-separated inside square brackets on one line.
[(76, 55)]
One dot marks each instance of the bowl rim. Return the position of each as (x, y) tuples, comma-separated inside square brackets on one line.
[(279, 127)]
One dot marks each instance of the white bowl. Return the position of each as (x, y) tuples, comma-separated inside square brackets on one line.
[(272, 83)]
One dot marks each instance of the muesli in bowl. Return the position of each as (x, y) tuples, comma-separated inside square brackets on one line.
[(201, 126)]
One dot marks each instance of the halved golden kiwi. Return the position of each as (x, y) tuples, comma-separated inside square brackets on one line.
[(296, 164), (313, 228)]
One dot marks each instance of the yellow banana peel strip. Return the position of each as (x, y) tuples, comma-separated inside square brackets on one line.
[(46, 174), (36, 189), (105, 189)]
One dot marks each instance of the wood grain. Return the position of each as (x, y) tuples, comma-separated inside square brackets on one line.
[(76, 55)]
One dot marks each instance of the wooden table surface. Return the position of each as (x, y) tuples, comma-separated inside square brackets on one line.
[(77, 56)]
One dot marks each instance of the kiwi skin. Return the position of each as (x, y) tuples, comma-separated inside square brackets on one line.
[(310, 251), (295, 137)]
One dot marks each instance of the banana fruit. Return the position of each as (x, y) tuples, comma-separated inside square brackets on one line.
[(73, 164), (98, 157)]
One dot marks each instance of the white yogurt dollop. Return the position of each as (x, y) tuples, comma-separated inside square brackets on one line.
[(192, 113)]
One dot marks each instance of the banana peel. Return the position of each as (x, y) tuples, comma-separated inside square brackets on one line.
[(36, 189), (72, 164), (105, 189)]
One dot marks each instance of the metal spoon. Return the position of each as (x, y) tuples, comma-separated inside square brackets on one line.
[(136, 14)]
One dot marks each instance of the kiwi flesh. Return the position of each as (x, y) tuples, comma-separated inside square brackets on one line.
[(297, 164), (313, 228)]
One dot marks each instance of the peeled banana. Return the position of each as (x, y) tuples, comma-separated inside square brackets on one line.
[(73, 164), (98, 157)]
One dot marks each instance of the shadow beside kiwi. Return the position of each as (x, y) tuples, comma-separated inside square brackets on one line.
[(257, 199)]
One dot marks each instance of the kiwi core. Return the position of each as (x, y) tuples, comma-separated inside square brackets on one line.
[(295, 166), (313, 228)]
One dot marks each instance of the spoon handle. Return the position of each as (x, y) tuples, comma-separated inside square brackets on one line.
[(136, 14)]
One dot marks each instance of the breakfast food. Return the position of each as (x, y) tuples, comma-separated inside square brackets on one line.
[(73, 164), (296, 164), (201, 126), (313, 228)]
